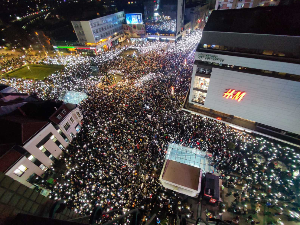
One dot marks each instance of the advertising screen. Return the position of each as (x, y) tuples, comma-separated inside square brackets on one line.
[(134, 18)]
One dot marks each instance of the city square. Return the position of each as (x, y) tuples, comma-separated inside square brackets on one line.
[(135, 115)]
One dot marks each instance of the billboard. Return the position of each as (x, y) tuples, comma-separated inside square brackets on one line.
[(134, 29), (134, 18)]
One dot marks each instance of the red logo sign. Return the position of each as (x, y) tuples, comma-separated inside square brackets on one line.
[(234, 95)]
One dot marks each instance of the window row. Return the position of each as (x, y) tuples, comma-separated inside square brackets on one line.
[(96, 24), (199, 97), (201, 83), (99, 30)]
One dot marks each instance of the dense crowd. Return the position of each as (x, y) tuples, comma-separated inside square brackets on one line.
[(163, 25), (116, 159)]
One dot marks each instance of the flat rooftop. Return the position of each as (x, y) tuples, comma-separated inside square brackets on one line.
[(190, 156), (182, 174), (279, 20)]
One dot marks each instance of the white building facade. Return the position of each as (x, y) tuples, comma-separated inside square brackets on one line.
[(45, 147), (71, 124), (268, 100), (251, 80), (99, 30)]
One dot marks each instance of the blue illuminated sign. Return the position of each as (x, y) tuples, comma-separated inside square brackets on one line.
[(134, 18)]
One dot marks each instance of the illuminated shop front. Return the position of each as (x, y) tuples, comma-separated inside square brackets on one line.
[(253, 86)]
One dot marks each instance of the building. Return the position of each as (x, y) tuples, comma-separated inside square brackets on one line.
[(170, 24), (247, 72), (181, 178), (150, 7), (183, 169), (6, 89), (239, 4), (102, 32), (34, 134), (197, 14)]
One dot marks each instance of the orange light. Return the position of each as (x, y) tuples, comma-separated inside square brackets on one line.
[(239, 96), (234, 95), (228, 94), (219, 118)]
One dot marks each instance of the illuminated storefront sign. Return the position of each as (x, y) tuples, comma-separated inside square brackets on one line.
[(234, 95)]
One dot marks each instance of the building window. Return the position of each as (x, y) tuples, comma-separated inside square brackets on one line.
[(67, 126), (78, 114), (31, 158), (53, 138), (45, 151), (199, 97), (63, 135), (63, 111), (77, 128), (72, 135), (43, 167), (59, 117), (34, 160), (72, 120), (57, 142), (20, 171), (201, 83), (52, 158)]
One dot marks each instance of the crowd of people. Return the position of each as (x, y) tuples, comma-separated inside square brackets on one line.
[(163, 25), (116, 159), (9, 62)]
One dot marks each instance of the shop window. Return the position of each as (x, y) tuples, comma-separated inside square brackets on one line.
[(67, 126), (201, 83), (199, 97), (20, 171)]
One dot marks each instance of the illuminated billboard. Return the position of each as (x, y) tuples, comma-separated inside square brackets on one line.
[(134, 18)]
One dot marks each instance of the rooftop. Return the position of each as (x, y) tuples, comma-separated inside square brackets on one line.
[(182, 174), (279, 20), (19, 128)]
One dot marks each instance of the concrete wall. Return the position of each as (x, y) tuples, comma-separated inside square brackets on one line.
[(271, 101)]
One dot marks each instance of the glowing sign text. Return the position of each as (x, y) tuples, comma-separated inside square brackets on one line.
[(234, 95)]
